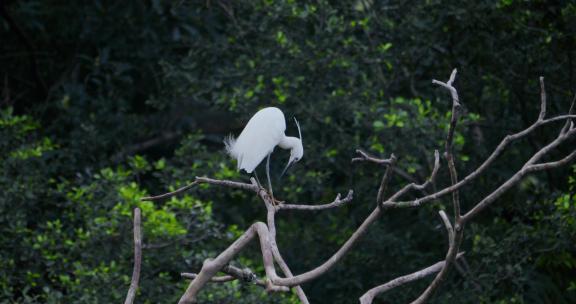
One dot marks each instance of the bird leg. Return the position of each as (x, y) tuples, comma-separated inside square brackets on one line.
[(257, 180), (268, 176)]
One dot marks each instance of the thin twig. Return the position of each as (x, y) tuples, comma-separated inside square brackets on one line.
[(542, 114), (385, 180), (365, 157), (336, 203), (169, 194), (448, 227), (390, 203), (551, 165)]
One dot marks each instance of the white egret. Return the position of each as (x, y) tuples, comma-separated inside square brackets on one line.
[(264, 131)]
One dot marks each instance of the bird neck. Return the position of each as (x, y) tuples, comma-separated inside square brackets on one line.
[(288, 142)]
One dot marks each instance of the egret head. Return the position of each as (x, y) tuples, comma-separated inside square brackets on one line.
[(296, 151)]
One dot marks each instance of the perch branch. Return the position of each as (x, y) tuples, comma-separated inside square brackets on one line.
[(203, 180), (137, 258), (270, 218)]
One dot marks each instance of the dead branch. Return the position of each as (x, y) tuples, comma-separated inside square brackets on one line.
[(203, 180), (368, 297), (244, 275), (385, 179), (365, 157), (270, 218), (455, 234), (222, 279), (485, 165), (137, 258), (308, 207)]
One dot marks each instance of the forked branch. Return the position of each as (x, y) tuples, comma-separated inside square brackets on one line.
[(455, 233)]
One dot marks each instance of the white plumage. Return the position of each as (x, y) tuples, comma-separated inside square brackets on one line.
[(262, 134)]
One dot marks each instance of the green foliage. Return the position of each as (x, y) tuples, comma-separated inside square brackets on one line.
[(109, 101)]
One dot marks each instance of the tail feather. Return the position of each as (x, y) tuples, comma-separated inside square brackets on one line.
[(229, 143)]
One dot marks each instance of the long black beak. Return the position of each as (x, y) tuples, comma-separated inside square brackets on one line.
[(290, 162)]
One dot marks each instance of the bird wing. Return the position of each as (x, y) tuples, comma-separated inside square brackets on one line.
[(262, 133)]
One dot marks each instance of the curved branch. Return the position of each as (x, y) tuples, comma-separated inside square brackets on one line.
[(551, 165), (368, 297)]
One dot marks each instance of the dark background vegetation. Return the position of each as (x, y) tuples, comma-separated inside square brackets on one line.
[(103, 102)]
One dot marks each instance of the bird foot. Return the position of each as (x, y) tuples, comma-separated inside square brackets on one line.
[(276, 202)]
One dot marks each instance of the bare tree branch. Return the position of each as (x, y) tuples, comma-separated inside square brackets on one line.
[(552, 165), (365, 157), (137, 258), (448, 226), (483, 167), (569, 122), (336, 203), (390, 203), (368, 297), (527, 168), (542, 100), (169, 194), (245, 275), (211, 267), (385, 180), (222, 279), (454, 234), (203, 180), (270, 218)]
